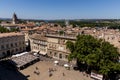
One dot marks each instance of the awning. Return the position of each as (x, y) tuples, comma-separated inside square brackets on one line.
[(35, 53), (56, 62), (23, 60), (43, 53), (26, 44), (66, 65)]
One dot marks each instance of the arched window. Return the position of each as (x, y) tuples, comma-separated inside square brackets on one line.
[(11, 45), (23, 42), (16, 50), (8, 53), (50, 53), (4, 54), (66, 56), (2, 47), (55, 54), (7, 46), (16, 44), (60, 56), (20, 49), (12, 51)]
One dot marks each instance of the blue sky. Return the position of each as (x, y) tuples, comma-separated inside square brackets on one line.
[(61, 9)]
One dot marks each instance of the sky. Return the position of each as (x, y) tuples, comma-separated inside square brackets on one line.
[(60, 9)]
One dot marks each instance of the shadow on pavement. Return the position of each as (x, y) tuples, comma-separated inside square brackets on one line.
[(9, 72)]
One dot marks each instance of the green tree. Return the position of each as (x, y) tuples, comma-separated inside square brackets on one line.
[(14, 29), (61, 32), (70, 45), (95, 53), (3, 30)]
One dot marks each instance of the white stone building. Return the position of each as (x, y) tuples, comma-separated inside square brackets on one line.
[(56, 47), (11, 43), (38, 44)]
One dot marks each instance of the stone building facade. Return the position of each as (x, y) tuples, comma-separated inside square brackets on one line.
[(57, 46), (55, 42), (51, 45), (11, 43), (38, 44)]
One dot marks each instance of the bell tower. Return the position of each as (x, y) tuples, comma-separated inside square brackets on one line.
[(14, 19)]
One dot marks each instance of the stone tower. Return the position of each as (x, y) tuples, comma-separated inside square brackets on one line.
[(14, 19), (67, 23)]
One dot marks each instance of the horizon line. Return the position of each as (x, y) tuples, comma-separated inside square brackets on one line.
[(66, 19)]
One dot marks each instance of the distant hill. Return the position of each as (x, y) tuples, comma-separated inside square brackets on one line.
[(5, 19)]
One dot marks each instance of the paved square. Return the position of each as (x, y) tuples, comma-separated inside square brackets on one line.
[(60, 74)]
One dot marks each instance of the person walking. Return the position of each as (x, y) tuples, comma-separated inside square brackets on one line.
[(63, 74), (36, 68)]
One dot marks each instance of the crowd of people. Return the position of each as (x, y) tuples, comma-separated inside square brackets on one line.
[(50, 71)]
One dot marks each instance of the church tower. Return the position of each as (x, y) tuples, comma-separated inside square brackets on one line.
[(14, 19), (67, 23)]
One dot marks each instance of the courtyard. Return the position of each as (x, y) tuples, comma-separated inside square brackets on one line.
[(40, 71)]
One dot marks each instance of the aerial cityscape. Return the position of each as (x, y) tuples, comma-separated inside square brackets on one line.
[(59, 40)]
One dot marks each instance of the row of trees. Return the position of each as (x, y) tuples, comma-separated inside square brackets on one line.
[(109, 24), (5, 30), (96, 54), (89, 23), (60, 22)]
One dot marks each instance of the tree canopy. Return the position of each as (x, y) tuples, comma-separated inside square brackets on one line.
[(96, 53), (5, 30)]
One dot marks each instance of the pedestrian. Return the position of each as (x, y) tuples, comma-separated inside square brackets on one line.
[(36, 68), (63, 74), (49, 70), (38, 72), (35, 72), (50, 74)]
